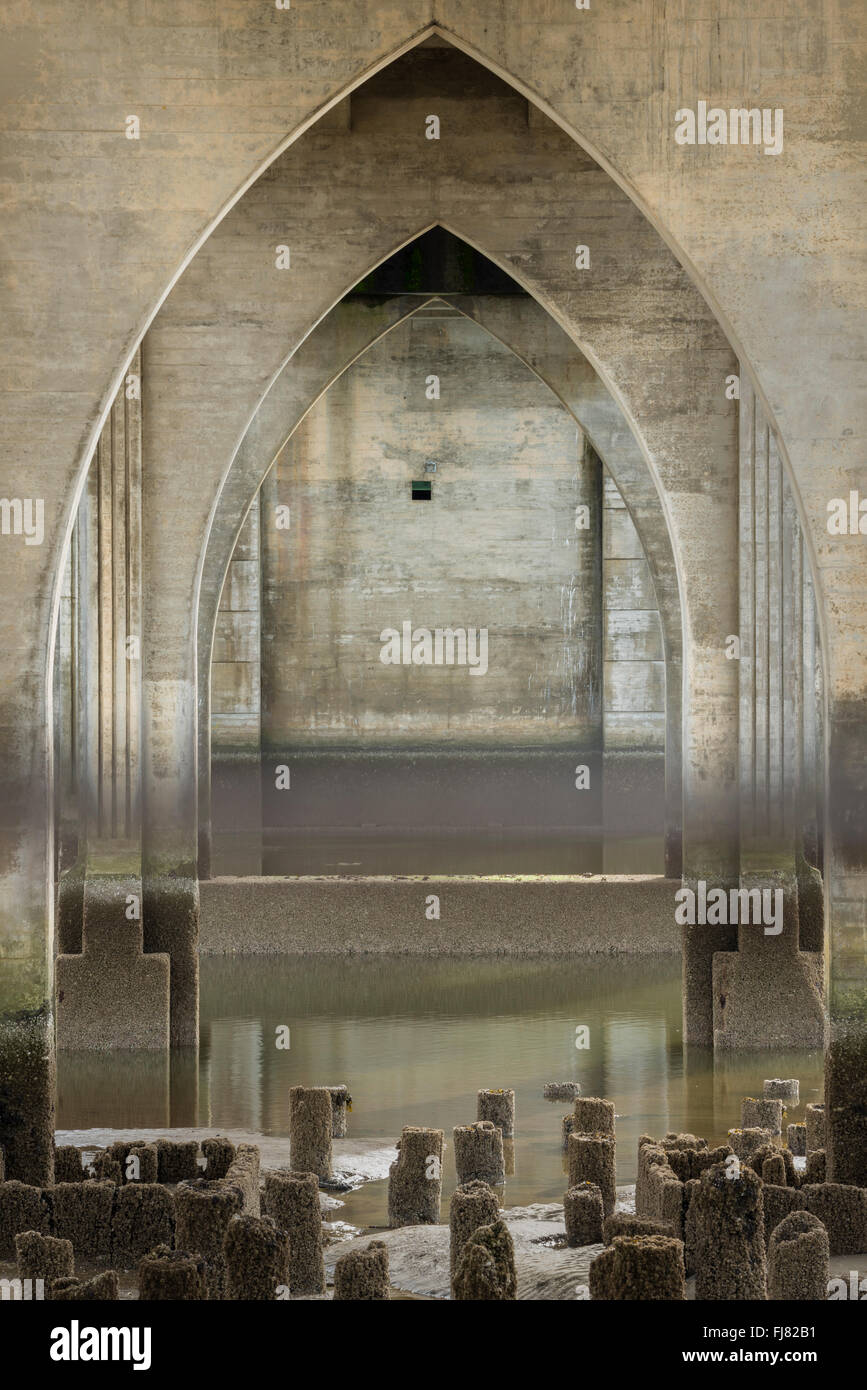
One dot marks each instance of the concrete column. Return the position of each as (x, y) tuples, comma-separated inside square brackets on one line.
[(768, 992), (107, 605), (169, 736), (811, 759)]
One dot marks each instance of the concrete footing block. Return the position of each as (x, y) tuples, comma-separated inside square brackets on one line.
[(592, 1159), (256, 1251), (219, 1154), (762, 1112), (486, 1269), (796, 1138), (479, 1154), (814, 1116), (415, 1178), (499, 1108), (43, 1257), (788, 1090), (22, 1208), (798, 1268), (292, 1199), (112, 995), (143, 1218), (101, 1288), (584, 1213), (473, 1204), (341, 1104), (203, 1211), (842, 1209), (167, 1276), (726, 1218), (645, 1267), (82, 1214), (310, 1113), (362, 1275)]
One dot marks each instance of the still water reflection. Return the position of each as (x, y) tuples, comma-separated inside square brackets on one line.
[(415, 1038)]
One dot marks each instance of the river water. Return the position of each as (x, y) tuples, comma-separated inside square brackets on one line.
[(414, 1039)]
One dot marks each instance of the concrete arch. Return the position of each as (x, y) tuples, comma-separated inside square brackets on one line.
[(532, 336), (619, 82), (221, 337)]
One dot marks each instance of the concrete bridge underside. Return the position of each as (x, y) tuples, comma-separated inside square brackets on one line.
[(249, 233)]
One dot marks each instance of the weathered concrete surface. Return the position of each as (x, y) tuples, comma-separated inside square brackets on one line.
[(706, 426), (614, 80), (498, 548), (478, 916), (112, 996)]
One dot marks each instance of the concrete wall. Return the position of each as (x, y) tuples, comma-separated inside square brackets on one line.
[(502, 517), (496, 548)]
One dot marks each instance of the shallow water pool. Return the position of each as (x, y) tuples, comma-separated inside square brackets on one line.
[(415, 1038)]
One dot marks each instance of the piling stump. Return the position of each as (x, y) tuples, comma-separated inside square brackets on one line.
[(310, 1130), (592, 1159), (625, 1223), (584, 1213), (143, 1218), (43, 1257), (67, 1164), (244, 1174), (593, 1116), (82, 1214), (816, 1167), (22, 1208), (499, 1108), (486, 1268), (219, 1154), (362, 1275), (101, 1288), (796, 1138), (341, 1104), (842, 1209), (561, 1090), (778, 1202), (166, 1275), (762, 1112), (638, 1268), (292, 1199), (479, 1154), (177, 1161), (415, 1177), (473, 1204), (787, 1090), (203, 1210), (744, 1142), (798, 1252), (727, 1228), (256, 1251), (814, 1117)]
